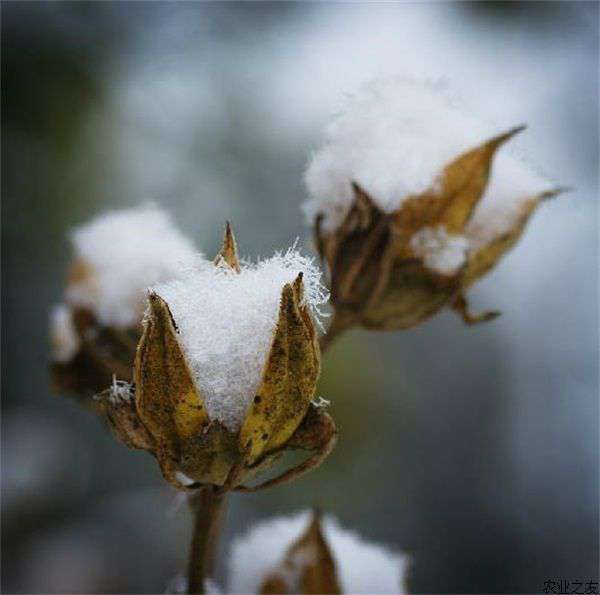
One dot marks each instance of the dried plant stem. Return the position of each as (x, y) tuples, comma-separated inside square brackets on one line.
[(207, 508)]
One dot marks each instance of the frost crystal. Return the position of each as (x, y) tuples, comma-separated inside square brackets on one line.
[(120, 391), (124, 252), (65, 342), (227, 321), (394, 138), (441, 252), (362, 567)]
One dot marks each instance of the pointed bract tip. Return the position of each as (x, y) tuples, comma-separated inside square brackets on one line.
[(554, 192), (506, 136), (316, 514), (228, 253)]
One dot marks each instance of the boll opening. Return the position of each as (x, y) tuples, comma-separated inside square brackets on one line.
[(226, 322)]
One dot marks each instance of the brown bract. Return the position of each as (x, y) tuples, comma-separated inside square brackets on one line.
[(308, 567), (170, 407), (377, 280), (103, 353)]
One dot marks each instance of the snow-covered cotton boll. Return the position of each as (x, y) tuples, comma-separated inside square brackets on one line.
[(304, 553), (226, 323), (94, 334), (411, 203), (227, 366), (118, 256)]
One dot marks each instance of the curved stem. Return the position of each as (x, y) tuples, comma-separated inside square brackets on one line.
[(207, 508)]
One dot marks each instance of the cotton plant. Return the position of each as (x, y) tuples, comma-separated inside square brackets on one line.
[(211, 366), (411, 202), (220, 379), (94, 332), (225, 372)]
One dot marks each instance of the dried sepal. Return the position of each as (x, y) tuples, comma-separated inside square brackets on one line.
[(482, 260), (118, 405), (317, 434), (228, 253), (209, 456), (103, 352), (461, 306), (308, 567), (288, 380), (464, 182), (168, 402)]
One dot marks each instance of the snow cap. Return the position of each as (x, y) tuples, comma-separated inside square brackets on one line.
[(394, 137), (119, 255)]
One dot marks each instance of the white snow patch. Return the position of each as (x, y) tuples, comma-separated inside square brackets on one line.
[(227, 322), (63, 335), (394, 137), (362, 567), (126, 251), (442, 252), (120, 391)]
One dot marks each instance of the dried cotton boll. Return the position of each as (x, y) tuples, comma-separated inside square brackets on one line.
[(226, 323), (120, 254), (411, 205), (226, 370), (117, 256), (305, 553)]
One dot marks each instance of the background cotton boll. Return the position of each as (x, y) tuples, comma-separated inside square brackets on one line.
[(227, 321), (394, 137), (119, 255), (362, 567)]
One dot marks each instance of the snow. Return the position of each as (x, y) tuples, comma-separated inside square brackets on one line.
[(227, 321), (394, 137), (441, 252), (362, 567), (63, 335), (125, 252)]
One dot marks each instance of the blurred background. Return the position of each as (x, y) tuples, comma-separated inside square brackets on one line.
[(474, 449)]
